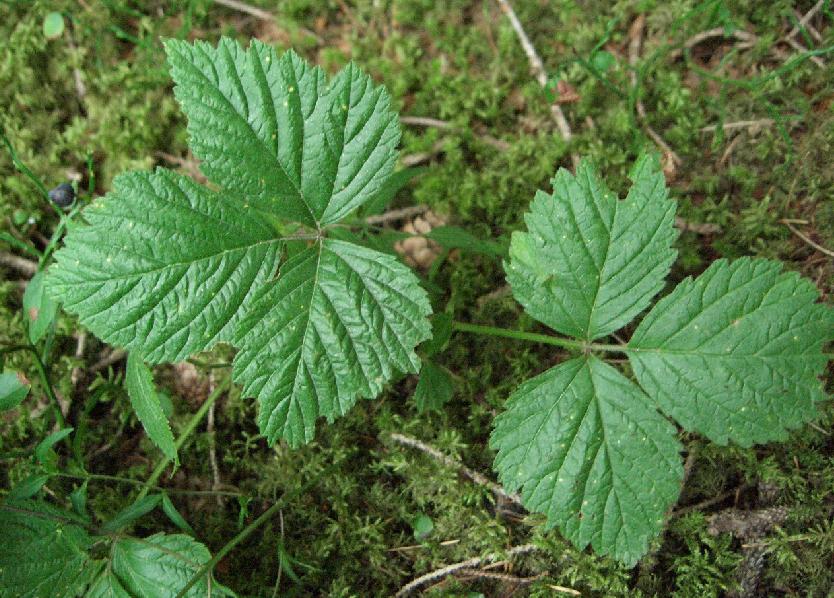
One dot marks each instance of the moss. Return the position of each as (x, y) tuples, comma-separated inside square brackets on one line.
[(350, 532)]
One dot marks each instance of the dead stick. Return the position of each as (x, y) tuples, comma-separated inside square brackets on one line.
[(467, 564), (453, 464), (537, 66)]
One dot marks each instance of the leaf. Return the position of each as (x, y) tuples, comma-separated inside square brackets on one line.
[(422, 526), (44, 453), (165, 267), (174, 515), (590, 262), (107, 585), (277, 131), (40, 309), (454, 237), (161, 565), (42, 556), (53, 25), (736, 353), (588, 449), (146, 404), (434, 389), (29, 486), (12, 390), (132, 512), (334, 326)]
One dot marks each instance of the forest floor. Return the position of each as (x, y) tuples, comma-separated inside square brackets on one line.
[(738, 98)]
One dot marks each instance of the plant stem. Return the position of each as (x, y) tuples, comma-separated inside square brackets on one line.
[(265, 516), (566, 343), (59, 415), (189, 428)]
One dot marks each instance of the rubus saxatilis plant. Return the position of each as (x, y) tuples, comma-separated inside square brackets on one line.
[(734, 354), (166, 267)]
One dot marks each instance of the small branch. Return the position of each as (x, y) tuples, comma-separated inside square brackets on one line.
[(634, 47), (261, 14), (806, 19), (467, 564), (537, 67), (114, 356), (21, 264), (809, 241), (800, 48), (425, 121), (748, 39), (453, 464), (395, 215), (740, 124), (704, 228), (215, 471)]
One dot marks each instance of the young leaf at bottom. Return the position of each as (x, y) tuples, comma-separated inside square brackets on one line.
[(146, 405), (434, 389), (164, 266), (736, 353), (588, 449), (161, 565), (590, 262), (332, 328)]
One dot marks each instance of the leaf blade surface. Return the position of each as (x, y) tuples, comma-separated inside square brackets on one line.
[(589, 450), (589, 262), (338, 321), (736, 353), (163, 266)]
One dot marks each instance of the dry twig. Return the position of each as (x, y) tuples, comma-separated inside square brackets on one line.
[(537, 66), (461, 566), (809, 241), (21, 264), (635, 45), (453, 464), (399, 214)]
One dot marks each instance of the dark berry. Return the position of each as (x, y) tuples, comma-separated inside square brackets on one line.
[(63, 195)]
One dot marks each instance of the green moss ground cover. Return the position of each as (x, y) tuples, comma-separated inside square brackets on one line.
[(97, 100)]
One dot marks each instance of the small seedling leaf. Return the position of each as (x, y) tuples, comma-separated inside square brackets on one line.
[(40, 309), (434, 389), (147, 406)]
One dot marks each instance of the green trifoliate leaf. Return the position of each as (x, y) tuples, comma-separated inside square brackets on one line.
[(42, 553), (588, 449), (161, 565), (146, 405), (589, 262), (736, 353), (164, 266), (334, 326), (276, 130)]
